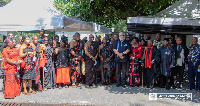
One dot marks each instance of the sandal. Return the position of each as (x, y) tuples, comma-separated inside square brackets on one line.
[(45, 89), (94, 85), (74, 86), (87, 86), (110, 86), (80, 84), (33, 92), (66, 86), (26, 93), (60, 87), (100, 85)]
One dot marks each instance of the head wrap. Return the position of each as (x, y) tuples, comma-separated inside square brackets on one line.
[(64, 38), (77, 33), (24, 37), (56, 36)]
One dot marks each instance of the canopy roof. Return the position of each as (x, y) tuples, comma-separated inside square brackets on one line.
[(182, 17), (27, 15), (189, 9)]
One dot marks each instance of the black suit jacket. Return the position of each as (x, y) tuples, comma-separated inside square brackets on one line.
[(177, 53)]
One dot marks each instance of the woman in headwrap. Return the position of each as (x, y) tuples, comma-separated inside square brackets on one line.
[(62, 65), (49, 67), (26, 52), (11, 82)]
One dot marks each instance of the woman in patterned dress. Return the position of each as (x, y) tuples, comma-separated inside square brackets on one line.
[(49, 67), (26, 52), (11, 82), (62, 65), (136, 53)]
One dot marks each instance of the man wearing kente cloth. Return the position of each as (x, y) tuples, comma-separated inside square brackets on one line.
[(91, 53), (76, 57), (167, 62), (35, 44), (150, 63), (106, 54)]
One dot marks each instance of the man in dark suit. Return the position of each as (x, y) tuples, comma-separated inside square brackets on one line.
[(121, 49), (181, 53)]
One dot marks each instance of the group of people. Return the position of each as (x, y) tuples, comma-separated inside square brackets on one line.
[(47, 63)]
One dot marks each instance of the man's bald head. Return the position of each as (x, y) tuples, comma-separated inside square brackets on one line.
[(91, 37), (195, 38), (158, 37), (35, 39), (10, 35)]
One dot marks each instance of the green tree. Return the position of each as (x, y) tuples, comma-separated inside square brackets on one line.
[(4, 2), (110, 12)]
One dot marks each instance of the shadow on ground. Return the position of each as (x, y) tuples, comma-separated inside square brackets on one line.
[(146, 91)]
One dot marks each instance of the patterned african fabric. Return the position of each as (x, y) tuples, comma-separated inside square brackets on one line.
[(29, 69), (49, 69), (106, 67), (90, 69), (11, 87), (194, 53), (133, 74), (75, 64), (167, 59)]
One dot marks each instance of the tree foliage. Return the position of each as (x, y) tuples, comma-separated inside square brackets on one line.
[(110, 12), (4, 2)]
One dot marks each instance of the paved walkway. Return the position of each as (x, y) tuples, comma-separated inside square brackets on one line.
[(102, 96)]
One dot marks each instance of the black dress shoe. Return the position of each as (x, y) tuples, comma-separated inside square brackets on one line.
[(132, 85), (167, 87), (174, 87), (124, 86), (162, 86), (117, 85)]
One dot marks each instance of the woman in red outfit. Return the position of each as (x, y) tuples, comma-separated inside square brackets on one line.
[(26, 52), (11, 83), (135, 55)]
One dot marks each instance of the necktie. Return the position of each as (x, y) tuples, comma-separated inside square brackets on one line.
[(179, 48)]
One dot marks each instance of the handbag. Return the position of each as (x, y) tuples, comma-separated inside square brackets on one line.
[(17, 75)]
